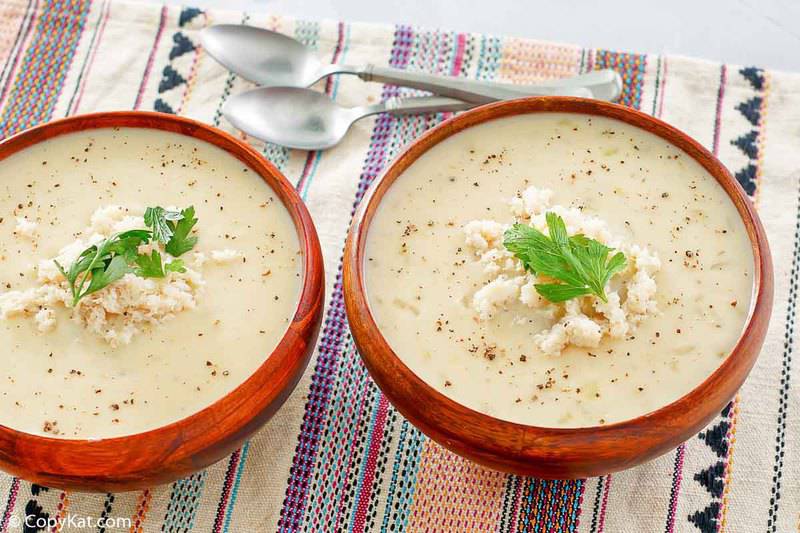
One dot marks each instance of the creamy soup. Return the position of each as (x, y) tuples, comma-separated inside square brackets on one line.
[(64, 380), (477, 337)]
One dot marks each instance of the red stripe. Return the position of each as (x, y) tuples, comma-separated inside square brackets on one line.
[(352, 457), (151, 59), (372, 460)]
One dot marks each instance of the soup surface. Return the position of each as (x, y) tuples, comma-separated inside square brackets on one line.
[(70, 382), (422, 277)]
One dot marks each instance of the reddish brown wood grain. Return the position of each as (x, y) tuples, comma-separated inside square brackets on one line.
[(178, 449), (538, 451)]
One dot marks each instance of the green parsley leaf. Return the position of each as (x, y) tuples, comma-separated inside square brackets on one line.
[(107, 274), (176, 265), (581, 264), (559, 292), (539, 254), (149, 266), (182, 240), (127, 243), (158, 219), (104, 263)]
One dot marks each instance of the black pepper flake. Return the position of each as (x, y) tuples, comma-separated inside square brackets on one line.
[(490, 352)]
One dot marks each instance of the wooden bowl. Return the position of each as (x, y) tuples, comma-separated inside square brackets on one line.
[(539, 451), (178, 449)]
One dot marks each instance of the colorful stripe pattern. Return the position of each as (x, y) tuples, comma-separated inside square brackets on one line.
[(40, 75), (334, 330), (319, 476), (357, 465), (632, 69)]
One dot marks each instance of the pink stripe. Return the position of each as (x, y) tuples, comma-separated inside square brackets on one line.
[(20, 52), (356, 415), (372, 461), (226, 491), (337, 53), (601, 522), (12, 500), (151, 59), (107, 8), (673, 504), (458, 62), (723, 78), (580, 504), (311, 156), (306, 168)]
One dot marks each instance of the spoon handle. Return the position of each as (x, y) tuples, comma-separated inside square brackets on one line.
[(605, 84), (412, 105)]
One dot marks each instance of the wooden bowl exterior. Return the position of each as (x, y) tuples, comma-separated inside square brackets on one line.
[(178, 449), (538, 451)]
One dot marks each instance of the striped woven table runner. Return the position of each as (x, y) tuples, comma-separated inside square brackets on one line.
[(338, 457)]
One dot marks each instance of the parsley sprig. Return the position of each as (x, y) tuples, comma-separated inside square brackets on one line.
[(103, 263), (581, 265)]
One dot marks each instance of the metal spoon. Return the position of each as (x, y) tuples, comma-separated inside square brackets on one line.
[(309, 120), (272, 59)]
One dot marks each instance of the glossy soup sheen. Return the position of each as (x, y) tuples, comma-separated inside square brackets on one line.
[(420, 283), (172, 370)]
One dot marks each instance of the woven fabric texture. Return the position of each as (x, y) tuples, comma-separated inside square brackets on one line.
[(338, 457)]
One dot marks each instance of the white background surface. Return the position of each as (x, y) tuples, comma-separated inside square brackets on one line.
[(764, 33)]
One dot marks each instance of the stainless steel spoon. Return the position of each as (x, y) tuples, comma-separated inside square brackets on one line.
[(309, 120), (272, 59)]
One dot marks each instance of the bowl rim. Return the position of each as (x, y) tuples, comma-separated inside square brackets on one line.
[(493, 438), (205, 436)]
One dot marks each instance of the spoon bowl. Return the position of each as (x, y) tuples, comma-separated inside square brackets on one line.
[(297, 118), (265, 57)]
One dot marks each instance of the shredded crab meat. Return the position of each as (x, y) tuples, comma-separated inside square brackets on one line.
[(581, 322), (121, 310), (25, 228)]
